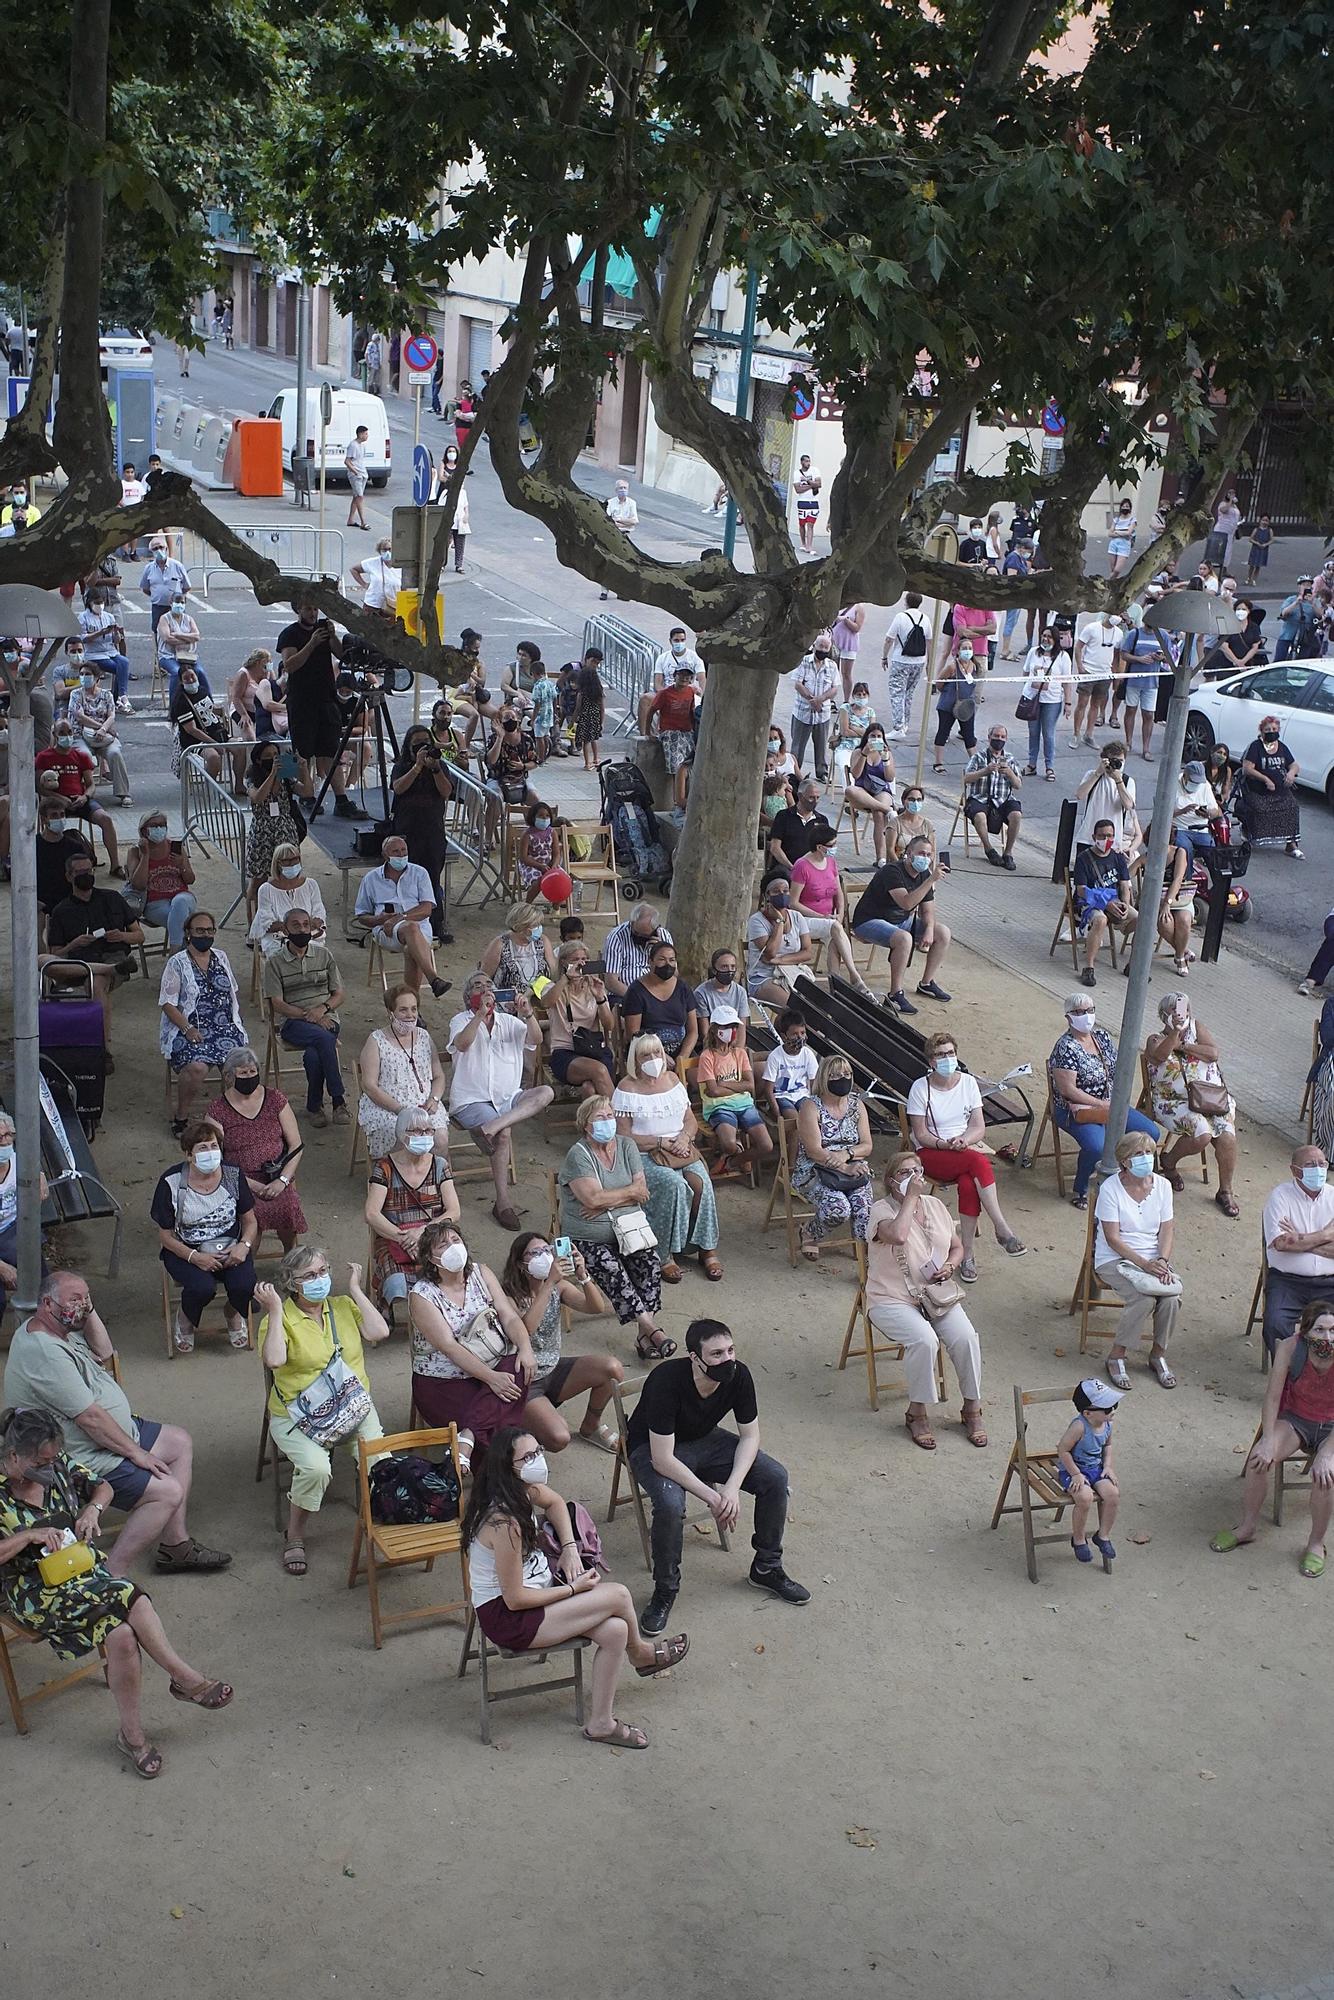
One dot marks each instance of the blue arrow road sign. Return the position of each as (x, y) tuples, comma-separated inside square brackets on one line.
[(422, 469)]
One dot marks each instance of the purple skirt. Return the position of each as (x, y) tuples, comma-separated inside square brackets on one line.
[(459, 1399), (514, 1630)]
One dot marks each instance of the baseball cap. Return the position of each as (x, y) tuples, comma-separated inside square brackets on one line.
[(1098, 1394), (1193, 772), (725, 1017)]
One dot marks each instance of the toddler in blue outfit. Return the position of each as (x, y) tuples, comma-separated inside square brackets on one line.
[(1084, 1466)]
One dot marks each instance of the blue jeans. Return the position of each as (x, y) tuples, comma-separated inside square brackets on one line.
[(319, 1047), (879, 930), (1091, 1139), (1044, 725), (710, 1459), (174, 916), (1192, 839), (120, 667)]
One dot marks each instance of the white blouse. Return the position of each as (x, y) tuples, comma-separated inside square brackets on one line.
[(653, 1118), (273, 906)]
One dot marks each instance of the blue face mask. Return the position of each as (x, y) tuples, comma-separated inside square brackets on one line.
[(1313, 1178), (602, 1129), (535, 933), (7, 1156), (921, 863), (316, 1289), (290, 870), (945, 1065), (1140, 1164)]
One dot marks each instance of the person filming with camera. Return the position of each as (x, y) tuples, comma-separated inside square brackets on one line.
[(308, 648)]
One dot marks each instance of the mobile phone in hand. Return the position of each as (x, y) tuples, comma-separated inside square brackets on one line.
[(564, 1256), (944, 858)]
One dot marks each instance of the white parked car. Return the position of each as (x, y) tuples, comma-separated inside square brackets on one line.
[(1299, 692), (123, 347)]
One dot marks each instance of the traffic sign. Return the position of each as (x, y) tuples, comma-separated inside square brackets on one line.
[(420, 351), (423, 467), (326, 402), (1053, 423)]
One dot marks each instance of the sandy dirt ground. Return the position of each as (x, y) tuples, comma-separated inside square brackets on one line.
[(935, 1780)]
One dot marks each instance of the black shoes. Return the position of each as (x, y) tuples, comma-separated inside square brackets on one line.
[(776, 1581), (657, 1611), (440, 986), (344, 809)]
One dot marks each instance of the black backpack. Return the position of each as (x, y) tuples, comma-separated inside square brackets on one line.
[(408, 1490), (914, 646)]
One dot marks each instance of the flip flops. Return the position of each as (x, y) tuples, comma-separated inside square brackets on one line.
[(1311, 1564)]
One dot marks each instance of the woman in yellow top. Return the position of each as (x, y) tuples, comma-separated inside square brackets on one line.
[(306, 1330)]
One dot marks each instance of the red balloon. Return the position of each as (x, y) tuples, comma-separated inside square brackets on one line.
[(556, 886)]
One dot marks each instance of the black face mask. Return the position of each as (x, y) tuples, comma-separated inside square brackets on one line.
[(202, 941), (245, 1086), (666, 970), (83, 883), (839, 1086), (719, 1371), (298, 941)]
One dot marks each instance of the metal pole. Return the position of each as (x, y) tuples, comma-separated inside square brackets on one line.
[(324, 481), (27, 1070), (302, 365), (421, 553), (745, 356), (1126, 1077)]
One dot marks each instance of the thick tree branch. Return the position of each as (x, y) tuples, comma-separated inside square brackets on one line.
[(1193, 517), (24, 449)]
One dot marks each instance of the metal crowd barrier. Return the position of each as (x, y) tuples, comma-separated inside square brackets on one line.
[(473, 819), (627, 663), (212, 818), (297, 550)]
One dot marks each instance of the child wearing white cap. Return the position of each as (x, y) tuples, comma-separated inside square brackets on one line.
[(1084, 1467)]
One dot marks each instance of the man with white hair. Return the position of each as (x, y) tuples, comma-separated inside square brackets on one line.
[(59, 1360), (625, 955), (1298, 1230), (622, 511), (394, 904)]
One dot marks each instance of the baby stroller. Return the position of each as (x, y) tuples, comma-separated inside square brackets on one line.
[(627, 808)]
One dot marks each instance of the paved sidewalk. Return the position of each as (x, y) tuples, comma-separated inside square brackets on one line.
[(1319, 1987)]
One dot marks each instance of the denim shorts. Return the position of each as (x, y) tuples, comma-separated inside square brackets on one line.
[(129, 1483), (747, 1119)]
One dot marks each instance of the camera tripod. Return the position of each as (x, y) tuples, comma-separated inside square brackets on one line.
[(369, 701)]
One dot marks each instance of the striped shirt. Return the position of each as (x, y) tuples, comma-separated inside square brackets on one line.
[(625, 956)]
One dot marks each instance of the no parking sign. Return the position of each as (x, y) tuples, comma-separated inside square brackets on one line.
[(420, 353)]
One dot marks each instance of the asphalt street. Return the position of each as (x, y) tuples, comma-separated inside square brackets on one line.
[(515, 587)]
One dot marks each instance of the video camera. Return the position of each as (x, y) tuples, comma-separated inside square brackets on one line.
[(365, 671)]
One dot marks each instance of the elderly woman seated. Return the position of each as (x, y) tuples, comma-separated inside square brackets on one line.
[(260, 1135), (1132, 1257), (401, 1070), (1189, 1098), (542, 1289), (206, 1222), (288, 888), (833, 1148), (313, 1347), (520, 955), (50, 1513), (411, 1185), (603, 1196), (652, 1107), (913, 1257), (1079, 1075), (472, 1359)]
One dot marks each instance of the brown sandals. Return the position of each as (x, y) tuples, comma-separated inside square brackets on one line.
[(919, 1430), (666, 1653)]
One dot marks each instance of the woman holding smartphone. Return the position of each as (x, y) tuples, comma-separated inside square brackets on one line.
[(545, 1280)]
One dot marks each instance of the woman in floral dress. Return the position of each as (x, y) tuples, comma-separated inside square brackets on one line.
[(48, 1503), (399, 1069), (275, 817)]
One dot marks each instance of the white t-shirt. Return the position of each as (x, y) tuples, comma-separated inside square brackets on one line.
[(1138, 1221), (796, 931), (946, 1111), (1104, 802), (383, 583), (791, 1075), (1099, 643), (900, 625), (1047, 678)]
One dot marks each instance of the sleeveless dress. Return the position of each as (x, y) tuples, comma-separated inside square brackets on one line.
[(443, 1394), (248, 1143), (405, 1073), (837, 1130)]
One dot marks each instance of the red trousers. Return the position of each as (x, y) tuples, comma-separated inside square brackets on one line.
[(966, 1169)]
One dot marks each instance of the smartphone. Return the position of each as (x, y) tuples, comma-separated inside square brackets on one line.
[(945, 859), (289, 765), (99, 934), (386, 908), (564, 1256)]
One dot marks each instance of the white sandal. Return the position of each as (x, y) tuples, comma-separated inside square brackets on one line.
[(183, 1336)]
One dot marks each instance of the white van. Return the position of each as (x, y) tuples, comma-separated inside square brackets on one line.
[(351, 407)]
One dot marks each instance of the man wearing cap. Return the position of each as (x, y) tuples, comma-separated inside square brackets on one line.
[(1141, 656), (1084, 1467), (1195, 807), (1298, 1230), (1297, 1417)]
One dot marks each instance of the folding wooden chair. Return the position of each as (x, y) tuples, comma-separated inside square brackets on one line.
[(1306, 1109), (474, 1638), (1040, 1489), (874, 1343), (275, 1069), (1067, 933), (171, 1299), (599, 872), (795, 1205), (14, 1634), (1089, 1296), (377, 960), (1144, 1103), (1256, 1315), (961, 814), (357, 1150), (269, 1454), (402, 1547), (1049, 1125), (634, 1493)]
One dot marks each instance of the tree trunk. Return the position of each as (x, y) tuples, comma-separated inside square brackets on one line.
[(714, 876)]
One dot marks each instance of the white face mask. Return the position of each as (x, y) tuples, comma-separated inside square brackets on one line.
[(539, 1264), (653, 1065), (1083, 1023), (453, 1257), (726, 1034), (534, 1473), (207, 1160)]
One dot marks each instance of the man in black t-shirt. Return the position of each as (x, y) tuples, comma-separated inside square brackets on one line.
[(676, 1448), (95, 928), (900, 898), (57, 845), (791, 835), (308, 648), (973, 547)]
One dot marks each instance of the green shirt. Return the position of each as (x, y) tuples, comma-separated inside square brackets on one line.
[(304, 982), (65, 1376)]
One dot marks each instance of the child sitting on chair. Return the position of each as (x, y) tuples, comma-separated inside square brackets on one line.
[(1084, 1467)]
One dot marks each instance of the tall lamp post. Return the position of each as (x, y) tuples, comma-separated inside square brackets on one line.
[(1180, 612), (42, 620)]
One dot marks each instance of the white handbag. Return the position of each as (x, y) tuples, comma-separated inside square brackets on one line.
[(630, 1226), (1144, 1281)]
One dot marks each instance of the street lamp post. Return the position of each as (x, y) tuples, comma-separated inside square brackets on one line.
[(1179, 613), (42, 618)]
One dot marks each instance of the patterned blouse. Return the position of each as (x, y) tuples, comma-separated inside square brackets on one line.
[(1093, 1073)]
